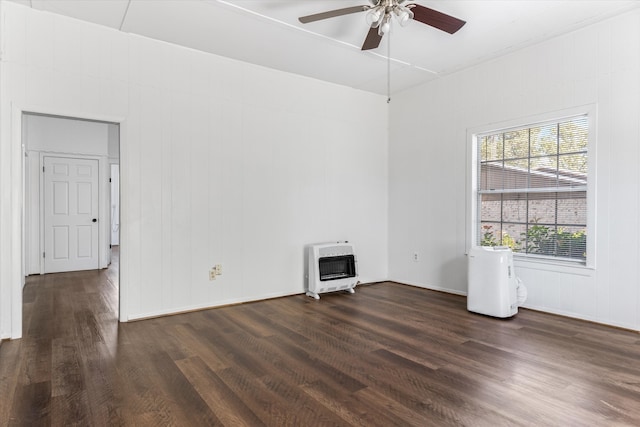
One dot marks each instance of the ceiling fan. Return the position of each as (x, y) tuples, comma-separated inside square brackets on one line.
[(379, 18)]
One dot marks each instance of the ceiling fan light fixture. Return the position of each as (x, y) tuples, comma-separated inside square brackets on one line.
[(403, 14), (386, 24), (374, 16)]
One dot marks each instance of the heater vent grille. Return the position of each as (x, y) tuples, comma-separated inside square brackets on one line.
[(337, 267)]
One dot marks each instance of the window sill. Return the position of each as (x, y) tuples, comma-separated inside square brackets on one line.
[(558, 266)]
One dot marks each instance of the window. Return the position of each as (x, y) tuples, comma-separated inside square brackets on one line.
[(532, 189)]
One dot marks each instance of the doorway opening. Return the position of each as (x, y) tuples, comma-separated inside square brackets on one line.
[(71, 196)]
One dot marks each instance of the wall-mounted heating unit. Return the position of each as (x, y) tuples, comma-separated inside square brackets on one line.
[(331, 267)]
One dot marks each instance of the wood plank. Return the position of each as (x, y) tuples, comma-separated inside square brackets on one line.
[(222, 401), (10, 358), (31, 405)]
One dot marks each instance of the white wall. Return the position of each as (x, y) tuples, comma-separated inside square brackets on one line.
[(5, 291), (428, 177), (221, 161), (45, 135)]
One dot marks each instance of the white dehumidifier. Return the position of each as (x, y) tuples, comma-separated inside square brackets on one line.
[(493, 286)]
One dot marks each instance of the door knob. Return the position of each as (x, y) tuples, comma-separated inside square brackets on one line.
[(94, 220)]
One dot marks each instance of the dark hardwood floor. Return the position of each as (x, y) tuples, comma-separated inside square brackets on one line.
[(389, 355)]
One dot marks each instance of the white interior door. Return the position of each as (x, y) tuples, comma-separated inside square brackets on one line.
[(70, 214)]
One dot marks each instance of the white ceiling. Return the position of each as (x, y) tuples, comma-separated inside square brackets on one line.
[(267, 32)]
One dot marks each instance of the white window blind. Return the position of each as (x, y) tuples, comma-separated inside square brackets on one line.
[(532, 189)]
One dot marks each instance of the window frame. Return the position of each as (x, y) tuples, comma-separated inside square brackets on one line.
[(473, 185)]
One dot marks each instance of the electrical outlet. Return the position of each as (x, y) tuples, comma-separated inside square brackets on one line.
[(416, 258), (212, 274), (218, 269)]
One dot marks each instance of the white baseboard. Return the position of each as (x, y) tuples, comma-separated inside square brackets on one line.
[(430, 287), (206, 306)]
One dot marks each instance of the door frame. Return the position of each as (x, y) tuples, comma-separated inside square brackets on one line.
[(110, 166), (16, 273), (102, 204)]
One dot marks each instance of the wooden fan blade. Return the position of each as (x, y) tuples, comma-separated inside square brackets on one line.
[(333, 13), (436, 19), (373, 39)]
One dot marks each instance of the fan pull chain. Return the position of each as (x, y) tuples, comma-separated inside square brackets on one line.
[(389, 66)]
